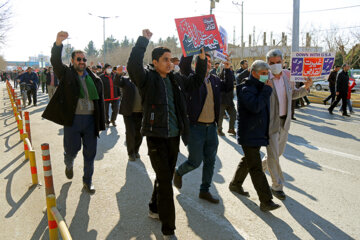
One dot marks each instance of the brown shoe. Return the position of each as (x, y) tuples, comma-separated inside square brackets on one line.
[(208, 197), (177, 180), (232, 131), (220, 133)]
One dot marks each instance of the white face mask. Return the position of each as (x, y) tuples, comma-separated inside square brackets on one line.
[(108, 70), (176, 68), (276, 68)]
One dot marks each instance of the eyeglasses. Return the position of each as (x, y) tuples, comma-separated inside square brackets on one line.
[(79, 59)]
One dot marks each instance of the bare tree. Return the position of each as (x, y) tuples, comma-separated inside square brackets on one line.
[(5, 15)]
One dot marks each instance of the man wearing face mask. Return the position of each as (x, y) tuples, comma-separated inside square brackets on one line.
[(280, 117), (253, 100), (111, 95), (78, 105), (176, 62)]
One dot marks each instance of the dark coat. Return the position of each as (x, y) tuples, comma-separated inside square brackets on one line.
[(27, 77), (62, 106), (48, 79), (152, 90), (342, 82), (227, 98), (111, 92), (197, 96), (128, 94), (241, 74), (332, 78), (253, 100)]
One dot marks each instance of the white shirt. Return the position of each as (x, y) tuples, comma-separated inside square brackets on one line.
[(281, 93)]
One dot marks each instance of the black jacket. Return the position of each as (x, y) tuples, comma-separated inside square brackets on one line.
[(62, 106), (152, 89), (342, 82), (128, 94), (241, 75), (253, 101), (227, 98), (332, 78), (111, 92)]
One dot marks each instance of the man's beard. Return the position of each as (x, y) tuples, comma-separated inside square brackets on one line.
[(80, 68)]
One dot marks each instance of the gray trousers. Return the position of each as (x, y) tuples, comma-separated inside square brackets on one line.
[(271, 161), (51, 91), (232, 114)]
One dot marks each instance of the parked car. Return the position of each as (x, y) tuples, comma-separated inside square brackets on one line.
[(354, 76)]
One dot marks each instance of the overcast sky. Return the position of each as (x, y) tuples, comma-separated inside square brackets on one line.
[(35, 23)]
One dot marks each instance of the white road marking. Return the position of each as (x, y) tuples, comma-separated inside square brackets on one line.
[(326, 150), (317, 164), (200, 209)]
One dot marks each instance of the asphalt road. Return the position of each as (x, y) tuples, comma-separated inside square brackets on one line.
[(321, 165)]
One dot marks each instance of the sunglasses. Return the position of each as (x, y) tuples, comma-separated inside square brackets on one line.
[(79, 59)]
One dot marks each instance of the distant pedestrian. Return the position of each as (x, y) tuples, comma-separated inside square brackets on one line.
[(32, 80), (52, 82), (43, 80), (243, 72), (78, 105), (342, 87), (132, 111), (111, 95), (332, 82)]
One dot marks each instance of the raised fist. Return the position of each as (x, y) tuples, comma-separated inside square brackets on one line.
[(61, 36), (147, 33)]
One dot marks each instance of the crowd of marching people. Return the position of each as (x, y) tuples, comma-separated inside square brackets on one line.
[(172, 100)]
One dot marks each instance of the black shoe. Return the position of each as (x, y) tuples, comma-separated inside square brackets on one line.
[(220, 133), (69, 172), (324, 102), (268, 206), (293, 118), (177, 180), (330, 111), (238, 189), (113, 123), (137, 155), (346, 115), (278, 194), (89, 188), (34, 104), (132, 157), (208, 197)]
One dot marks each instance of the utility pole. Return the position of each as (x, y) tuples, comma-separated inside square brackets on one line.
[(104, 18), (212, 5), (242, 45), (296, 23)]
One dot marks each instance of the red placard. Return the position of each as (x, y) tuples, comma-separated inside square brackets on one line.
[(197, 32)]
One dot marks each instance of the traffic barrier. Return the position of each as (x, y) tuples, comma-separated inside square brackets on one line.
[(33, 168), (20, 126), (55, 220), (27, 124), (19, 109), (26, 145)]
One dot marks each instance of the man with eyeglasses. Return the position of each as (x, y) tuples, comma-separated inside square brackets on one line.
[(78, 105)]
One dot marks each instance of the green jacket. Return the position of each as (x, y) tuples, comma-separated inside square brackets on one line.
[(42, 77)]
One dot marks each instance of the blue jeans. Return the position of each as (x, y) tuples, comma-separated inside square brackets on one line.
[(82, 130), (202, 147)]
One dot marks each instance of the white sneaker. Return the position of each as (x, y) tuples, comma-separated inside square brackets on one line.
[(153, 215), (170, 237)]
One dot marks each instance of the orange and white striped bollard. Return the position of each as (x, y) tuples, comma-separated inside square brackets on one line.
[(27, 124), (49, 191)]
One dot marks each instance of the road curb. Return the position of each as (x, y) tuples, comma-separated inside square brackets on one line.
[(316, 99)]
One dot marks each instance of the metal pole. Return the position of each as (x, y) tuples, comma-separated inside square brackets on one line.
[(296, 23), (104, 38), (242, 24)]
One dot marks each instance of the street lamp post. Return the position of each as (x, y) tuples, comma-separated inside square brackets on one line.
[(103, 18)]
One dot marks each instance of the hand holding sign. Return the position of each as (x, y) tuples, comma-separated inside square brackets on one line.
[(202, 54), (227, 64), (308, 83), (147, 34)]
